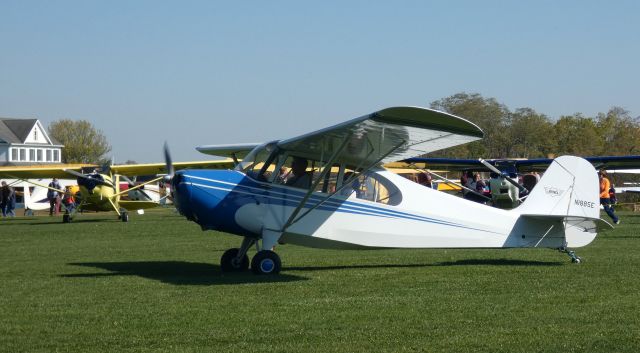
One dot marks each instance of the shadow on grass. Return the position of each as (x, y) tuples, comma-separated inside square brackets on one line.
[(178, 273), (59, 221), (470, 262)]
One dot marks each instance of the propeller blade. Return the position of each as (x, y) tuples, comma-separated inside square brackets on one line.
[(84, 176), (168, 162), (496, 170)]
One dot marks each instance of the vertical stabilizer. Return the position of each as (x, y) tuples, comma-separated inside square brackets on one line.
[(569, 188)]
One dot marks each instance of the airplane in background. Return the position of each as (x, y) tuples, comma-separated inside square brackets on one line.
[(506, 190), (106, 191), (328, 189)]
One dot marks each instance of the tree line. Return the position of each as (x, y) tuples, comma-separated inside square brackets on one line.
[(522, 133), (525, 133)]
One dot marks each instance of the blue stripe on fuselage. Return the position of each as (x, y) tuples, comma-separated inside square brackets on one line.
[(222, 183)]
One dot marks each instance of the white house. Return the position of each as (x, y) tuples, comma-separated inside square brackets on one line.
[(26, 142)]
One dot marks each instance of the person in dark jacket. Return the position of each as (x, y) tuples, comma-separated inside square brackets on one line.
[(7, 200)]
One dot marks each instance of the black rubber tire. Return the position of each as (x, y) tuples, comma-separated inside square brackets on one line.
[(228, 265), (266, 262), (125, 217), (66, 218)]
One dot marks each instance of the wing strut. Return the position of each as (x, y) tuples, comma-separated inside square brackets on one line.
[(325, 170), (292, 219)]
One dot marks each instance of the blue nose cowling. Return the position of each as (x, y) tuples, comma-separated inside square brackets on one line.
[(207, 197)]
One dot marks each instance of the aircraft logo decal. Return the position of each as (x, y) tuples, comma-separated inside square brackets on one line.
[(553, 192)]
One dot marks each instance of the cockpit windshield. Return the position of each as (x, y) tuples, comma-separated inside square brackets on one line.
[(255, 160)]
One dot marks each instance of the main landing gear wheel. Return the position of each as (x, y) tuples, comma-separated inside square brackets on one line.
[(266, 262), (66, 218), (229, 261), (125, 216)]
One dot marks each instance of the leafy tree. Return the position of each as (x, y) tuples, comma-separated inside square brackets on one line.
[(619, 131), (83, 143), (529, 135), (577, 135), (487, 113)]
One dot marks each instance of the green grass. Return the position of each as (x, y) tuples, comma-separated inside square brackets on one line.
[(155, 285)]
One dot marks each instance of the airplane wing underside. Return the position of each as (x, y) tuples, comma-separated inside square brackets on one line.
[(384, 136)]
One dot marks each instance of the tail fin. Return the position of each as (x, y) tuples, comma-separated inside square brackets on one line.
[(569, 188), (567, 196)]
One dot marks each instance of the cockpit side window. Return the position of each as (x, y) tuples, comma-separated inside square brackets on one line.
[(371, 187)]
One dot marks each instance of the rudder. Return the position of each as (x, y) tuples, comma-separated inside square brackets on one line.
[(569, 188)]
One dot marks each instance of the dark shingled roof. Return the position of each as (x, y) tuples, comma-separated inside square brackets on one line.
[(15, 130)]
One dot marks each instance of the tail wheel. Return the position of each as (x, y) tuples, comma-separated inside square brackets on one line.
[(266, 262), (230, 263)]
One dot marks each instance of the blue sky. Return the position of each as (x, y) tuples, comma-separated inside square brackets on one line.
[(209, 72)]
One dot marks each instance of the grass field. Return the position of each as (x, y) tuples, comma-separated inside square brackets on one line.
[(154, 284)]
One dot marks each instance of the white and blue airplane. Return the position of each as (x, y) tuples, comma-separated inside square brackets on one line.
[(327, 189)]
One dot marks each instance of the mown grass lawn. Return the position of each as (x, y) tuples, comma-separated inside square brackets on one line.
[(154, 284)]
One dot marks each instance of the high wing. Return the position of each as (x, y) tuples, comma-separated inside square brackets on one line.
[(137, 205), (160, 168), (239, 150), (387, 135), (519, 165), (60, 171)]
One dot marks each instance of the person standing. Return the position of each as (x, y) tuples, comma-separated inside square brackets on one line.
[(54, 197), (605, 198), (7, 200)]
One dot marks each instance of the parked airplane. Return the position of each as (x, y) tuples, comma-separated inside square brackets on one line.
[(506, 190), (104, 191), (286, 191)]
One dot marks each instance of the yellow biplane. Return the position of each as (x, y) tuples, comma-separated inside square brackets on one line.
[(105, 190)]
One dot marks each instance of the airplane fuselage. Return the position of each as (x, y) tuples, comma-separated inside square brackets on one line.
[(421, 217)]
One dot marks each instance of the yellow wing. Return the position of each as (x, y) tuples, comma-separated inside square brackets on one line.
[(42, 171), (137, 205), (160, 168)]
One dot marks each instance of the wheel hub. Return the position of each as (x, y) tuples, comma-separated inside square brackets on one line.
[(267, 265)]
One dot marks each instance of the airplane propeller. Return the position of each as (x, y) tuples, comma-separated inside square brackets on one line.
[(87, 177), (503, 175), (168, 163)]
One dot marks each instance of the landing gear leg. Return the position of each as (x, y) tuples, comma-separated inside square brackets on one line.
[(236, 259), (572, 254)]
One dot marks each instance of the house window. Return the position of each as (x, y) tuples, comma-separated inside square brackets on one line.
[(48, 155), (23, 154), (14, 154), (56, 155), (39, 154), (32, 155), (35, 134)]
